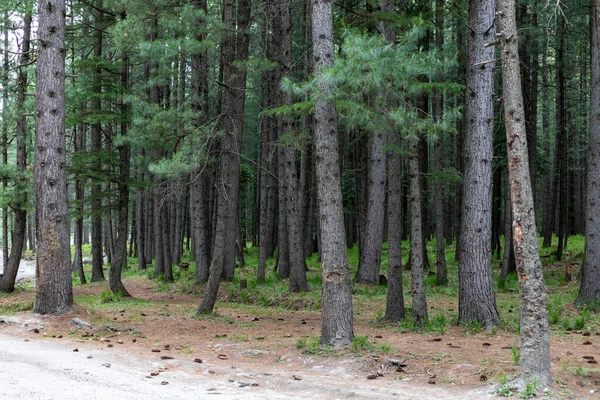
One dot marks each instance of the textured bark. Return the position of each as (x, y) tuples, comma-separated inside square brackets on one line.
[(438, 110), (199, 220), (268, 153), (77, 266), (234, 49), (54, 289), (394, 309), (96, 147), (337, 328), (120, 257), (199, 182), (548, 200), (4, 139), (535, 345), (561, 140), (508, 259), (476, 294), (140, 220), (417, 262), (19, 229), (589, 289), (293, 197), (371, 246)]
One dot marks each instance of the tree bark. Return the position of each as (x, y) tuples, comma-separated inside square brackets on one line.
[(234, 49), (54, 289), (476, 294), (96, 147), (561, 140), (438, 111), (337, 328), (120, 257), (417, 262), (589, 289), (535, 345)]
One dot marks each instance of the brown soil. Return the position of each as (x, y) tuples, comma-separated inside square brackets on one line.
[(457, 362)]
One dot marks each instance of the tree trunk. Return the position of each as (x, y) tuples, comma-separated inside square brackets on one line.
[(394, 310), (561, 140), (4, 140), (54, 289), (370, 256), (535, 345), (96, 147), (120, 257), (19, 230), (292, 194), (417, 262), (508, 260), (476, 294), (589, 289), (337, 329), (438, 111), (234, 49)]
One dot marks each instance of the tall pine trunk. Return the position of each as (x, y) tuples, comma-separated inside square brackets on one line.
[(589, 290), (535, 343), (54, 289), (234, 49), (337, 328), (476, 294)]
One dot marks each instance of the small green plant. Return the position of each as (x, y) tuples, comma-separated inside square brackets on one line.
[(106, 296), (516, 353), (439, 323), (505, 390), (530, 390), (474, 327), (503, 379), (360, 343), (301, 343)]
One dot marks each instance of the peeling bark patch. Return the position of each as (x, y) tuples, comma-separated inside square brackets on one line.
[(334, 277)]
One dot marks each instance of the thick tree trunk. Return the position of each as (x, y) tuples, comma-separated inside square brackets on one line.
[(535, 345), (371, 246), (337, 329), (589, 289), (417, 262), (438, 111), (199, 221), (234, 49), (19, 230), (476, 294), (54, 289), (96, 147), (120, 257), (394, 309), (4, 139)]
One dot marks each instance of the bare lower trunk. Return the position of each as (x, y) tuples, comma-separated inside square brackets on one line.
[(589, 290), (417, 262), (535, 345), (337, 328), (477, 301), (54, 289)]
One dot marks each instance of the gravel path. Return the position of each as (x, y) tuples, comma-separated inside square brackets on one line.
[(36, 367)]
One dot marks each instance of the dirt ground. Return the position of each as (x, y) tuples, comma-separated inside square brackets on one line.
[(456, 364)]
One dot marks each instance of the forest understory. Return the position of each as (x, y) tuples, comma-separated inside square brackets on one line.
[(265, 329)]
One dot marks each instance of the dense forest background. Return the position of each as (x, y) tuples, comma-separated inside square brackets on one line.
[(170, 103)]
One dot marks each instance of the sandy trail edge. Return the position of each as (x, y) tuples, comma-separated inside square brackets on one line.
[(34, 367)]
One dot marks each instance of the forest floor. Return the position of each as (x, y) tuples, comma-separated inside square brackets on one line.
[(253, 351)]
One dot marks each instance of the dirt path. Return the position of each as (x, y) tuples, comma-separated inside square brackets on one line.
[(37, 367)]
